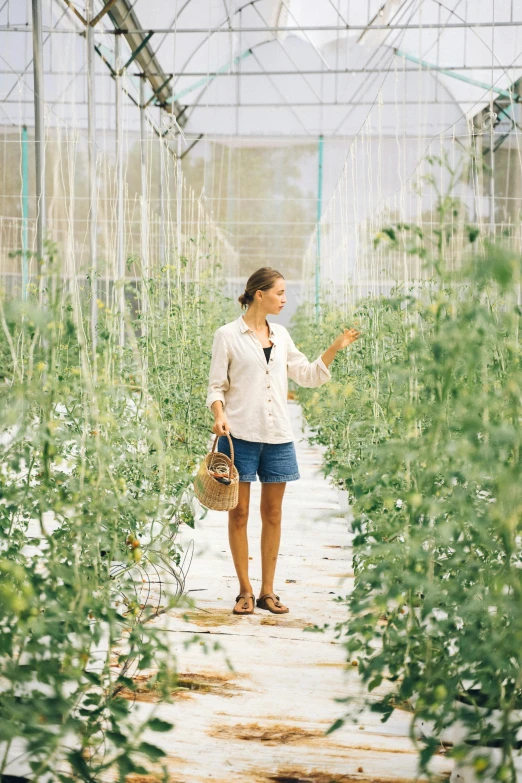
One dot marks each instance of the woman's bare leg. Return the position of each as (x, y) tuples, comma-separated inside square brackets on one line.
[(271, 513), (237, 536)]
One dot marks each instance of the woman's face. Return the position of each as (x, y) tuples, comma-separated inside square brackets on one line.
[(275, 298)]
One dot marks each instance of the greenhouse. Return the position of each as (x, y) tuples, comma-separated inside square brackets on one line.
[(260, 309)]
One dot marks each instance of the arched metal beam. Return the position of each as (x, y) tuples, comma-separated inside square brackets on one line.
[(120, 13)]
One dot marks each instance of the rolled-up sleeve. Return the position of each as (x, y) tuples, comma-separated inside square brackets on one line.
[(302, 371), (218, 382)]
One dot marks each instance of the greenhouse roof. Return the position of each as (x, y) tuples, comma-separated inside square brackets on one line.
[(264, 68)]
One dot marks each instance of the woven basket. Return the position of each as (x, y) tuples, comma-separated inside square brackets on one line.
[(216, 485)]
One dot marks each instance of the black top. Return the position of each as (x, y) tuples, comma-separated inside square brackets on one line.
[(267, 352)]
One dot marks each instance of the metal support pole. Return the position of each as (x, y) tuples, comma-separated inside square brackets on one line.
[(162, 191), (120, 258), (516, 187), (91, 133), (318, 232), (492, 193), (39, 128), (492, 172), (25, 211), (144, 202), (479, 180), (179, 197)]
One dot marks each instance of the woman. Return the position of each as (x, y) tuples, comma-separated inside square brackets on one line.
[(247, 393)]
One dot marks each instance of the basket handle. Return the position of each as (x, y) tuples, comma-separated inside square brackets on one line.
[(231, 450)]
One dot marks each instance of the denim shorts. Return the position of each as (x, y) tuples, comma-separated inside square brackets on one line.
[(273, 462)]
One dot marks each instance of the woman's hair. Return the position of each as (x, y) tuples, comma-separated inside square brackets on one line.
[(261, 280)]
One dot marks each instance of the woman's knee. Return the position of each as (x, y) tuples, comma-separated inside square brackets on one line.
[(238, 516), (271, 514)]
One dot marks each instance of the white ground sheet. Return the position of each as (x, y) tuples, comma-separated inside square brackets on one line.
[(265, 721)]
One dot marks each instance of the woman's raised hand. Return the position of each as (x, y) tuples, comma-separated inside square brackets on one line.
[(347, 337)]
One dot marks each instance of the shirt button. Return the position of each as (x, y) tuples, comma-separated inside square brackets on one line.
[(267, 372), (268, 386), (269, 400)]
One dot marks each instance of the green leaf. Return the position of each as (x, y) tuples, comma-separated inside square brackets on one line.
[(374, 683), (151, 751), (473, 233), (156, 724), (117, 738), (335, 725), (79, 764)]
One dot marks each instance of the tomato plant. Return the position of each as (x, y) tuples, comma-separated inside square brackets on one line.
[(97, 450), (422, 424)]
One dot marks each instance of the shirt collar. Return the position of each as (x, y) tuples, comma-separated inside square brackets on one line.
[(245, 328)]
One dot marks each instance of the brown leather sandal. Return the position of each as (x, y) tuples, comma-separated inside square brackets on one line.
[(278, 606), (245, 597)]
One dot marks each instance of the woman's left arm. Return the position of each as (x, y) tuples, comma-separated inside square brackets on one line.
[(302, 371), (316, 373), (342, 341)]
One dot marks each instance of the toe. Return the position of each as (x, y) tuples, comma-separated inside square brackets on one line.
[(278, 607), (243, 606)]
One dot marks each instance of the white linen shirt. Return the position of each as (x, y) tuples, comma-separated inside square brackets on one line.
[(253, 392)]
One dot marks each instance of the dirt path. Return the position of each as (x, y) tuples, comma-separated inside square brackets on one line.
[(265, 721)]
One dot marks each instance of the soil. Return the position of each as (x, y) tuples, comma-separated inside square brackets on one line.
[(284, 623), (188, 683), (278, 734), (142, 779), (301, 776), (212, 618), (148, 779), (296, 775)]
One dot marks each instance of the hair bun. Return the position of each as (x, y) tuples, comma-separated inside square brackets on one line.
[(261, 280)]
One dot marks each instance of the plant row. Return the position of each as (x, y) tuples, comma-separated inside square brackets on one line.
[(97, 455), (422, 425)]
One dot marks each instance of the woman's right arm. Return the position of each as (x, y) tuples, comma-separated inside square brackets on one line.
[(218, 383), (220, 420)]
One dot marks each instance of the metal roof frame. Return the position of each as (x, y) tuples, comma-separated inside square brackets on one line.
[(119, 11), (271, 29), (125, 23)]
